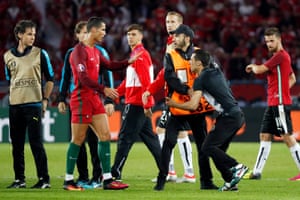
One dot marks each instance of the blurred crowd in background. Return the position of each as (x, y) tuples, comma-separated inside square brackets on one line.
[(231, 30)]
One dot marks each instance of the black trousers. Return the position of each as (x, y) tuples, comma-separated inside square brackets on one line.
[(134, 124), (28, 119), (198, 126), (82, 162), (218, 140)]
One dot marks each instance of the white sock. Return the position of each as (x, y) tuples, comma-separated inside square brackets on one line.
[(171, 164), (185, 149), (295, 151), (107, 176), (161, 138), (69, 177), (262, 156)]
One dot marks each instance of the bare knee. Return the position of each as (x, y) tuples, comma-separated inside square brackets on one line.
[(78, 138), (104, 136), (265, 137), (289, 140), (182, 134), (160, 130)]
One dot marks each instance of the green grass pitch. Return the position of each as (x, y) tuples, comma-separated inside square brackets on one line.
[(140, 169)]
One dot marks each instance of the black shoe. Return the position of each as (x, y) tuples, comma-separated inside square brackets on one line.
[(41, 184), (210, 186), (160, 184), (17, 184)]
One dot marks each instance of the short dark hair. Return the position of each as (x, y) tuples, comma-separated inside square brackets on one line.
[(203, 56), (21, 27), (272, 31), (135, 27), (94, 22)]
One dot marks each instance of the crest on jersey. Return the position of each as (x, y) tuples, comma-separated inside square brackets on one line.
[(81, 68)]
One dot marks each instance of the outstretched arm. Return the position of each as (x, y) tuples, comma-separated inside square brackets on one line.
[(192, 104), (256, 69), (117, 65)]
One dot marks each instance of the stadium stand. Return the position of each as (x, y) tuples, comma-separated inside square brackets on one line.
[(295, 90), (249, 92), (235, 40)]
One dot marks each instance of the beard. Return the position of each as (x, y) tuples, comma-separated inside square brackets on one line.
[(272, 49), (180, 44)]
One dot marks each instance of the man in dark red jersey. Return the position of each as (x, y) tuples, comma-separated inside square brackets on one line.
[(277, 117), (136, 117), (86, 106)]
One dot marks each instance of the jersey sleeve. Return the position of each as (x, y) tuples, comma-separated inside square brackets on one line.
[(46, 66), (158, 83), (106, 75), (7, 73), (198, 83), (113, 65), (121, 88), (65, 81), (106, 78), (274, 61)]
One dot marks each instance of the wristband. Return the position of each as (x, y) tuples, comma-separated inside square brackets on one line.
[(44, 98)]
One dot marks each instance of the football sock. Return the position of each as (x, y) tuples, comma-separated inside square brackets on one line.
[(107, 176), (104, 156), (263, 154), (69, 177), (295, 151), (171, 164), (161, 138), (72, 155), (185, 149)]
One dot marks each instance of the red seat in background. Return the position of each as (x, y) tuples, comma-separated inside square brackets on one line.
[(295, 90), (249, 92)]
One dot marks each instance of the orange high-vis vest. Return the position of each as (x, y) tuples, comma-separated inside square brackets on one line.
[(183, 71)]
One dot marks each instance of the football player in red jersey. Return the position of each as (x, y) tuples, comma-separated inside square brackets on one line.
[(86, 106), (277, 117)]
